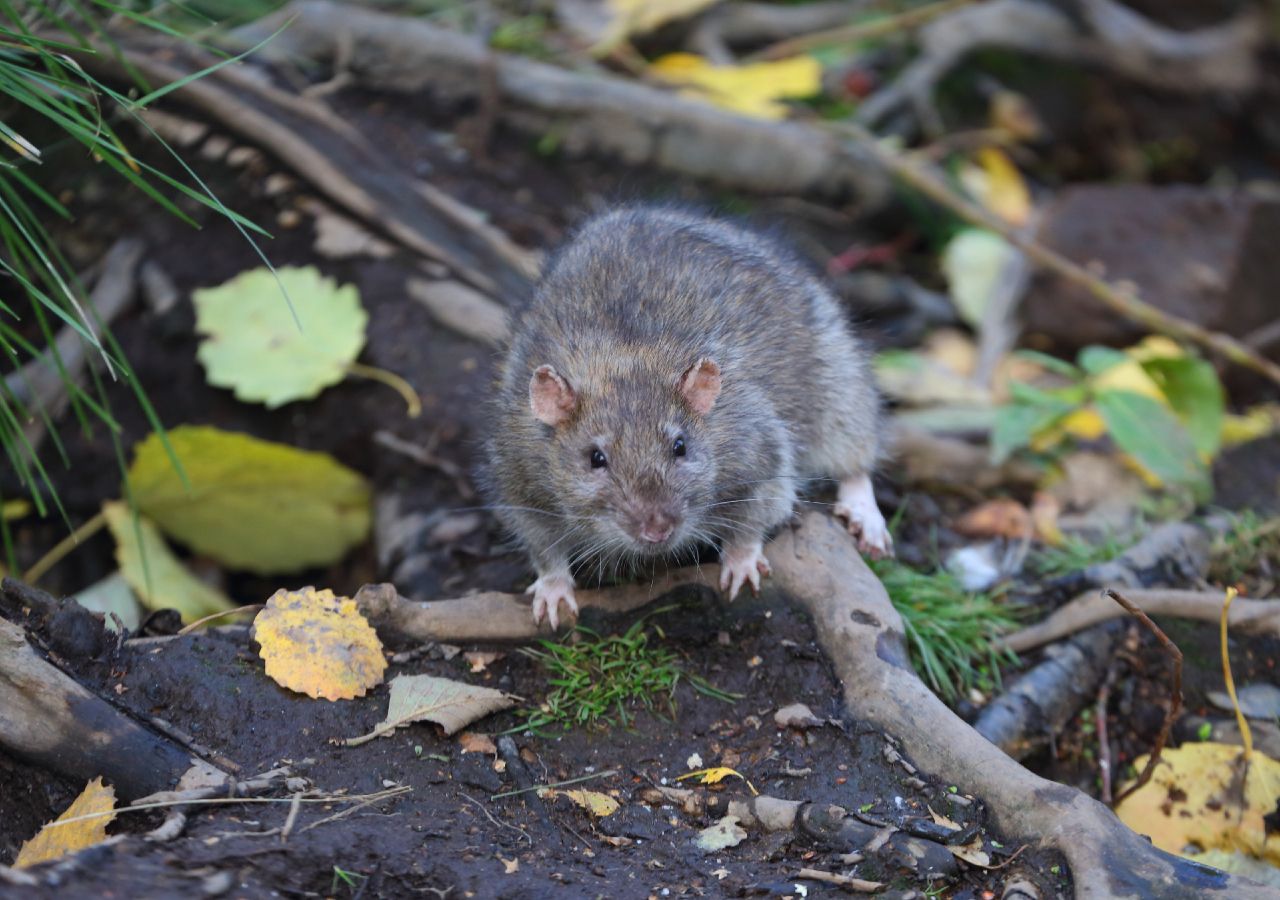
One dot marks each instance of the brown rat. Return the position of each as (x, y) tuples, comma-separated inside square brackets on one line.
[(671, 383)]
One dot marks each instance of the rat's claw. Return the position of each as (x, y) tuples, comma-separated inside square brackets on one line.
[(549, 592), (856, 507), (742, 564)]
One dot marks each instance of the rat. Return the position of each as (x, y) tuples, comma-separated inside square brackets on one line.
[(672, 382)]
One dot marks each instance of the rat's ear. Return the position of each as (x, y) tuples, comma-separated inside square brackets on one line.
[(700, 385), (550, 396)]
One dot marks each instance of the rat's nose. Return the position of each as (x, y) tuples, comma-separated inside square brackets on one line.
[(657, 527)]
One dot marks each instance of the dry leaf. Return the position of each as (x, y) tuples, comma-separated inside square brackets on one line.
[(594, 802), (797, 715), (972, 853), (512, 866), (1203, 796), (480, 659), (1002, 517), (1045, 510), (474, 742), (996, 183), (319, 645), (451, 704), (56, 841), (753, 90), (725, 833)]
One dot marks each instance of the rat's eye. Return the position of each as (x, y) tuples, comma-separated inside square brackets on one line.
[(598, 460), (677, 447)]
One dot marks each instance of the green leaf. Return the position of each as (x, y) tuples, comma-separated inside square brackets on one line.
[(154, 573), (1017, 423), (1050, 363), (1096, 360), (1193, 390), (1151, 434), (252, 504), (974, 262), (254, 345)]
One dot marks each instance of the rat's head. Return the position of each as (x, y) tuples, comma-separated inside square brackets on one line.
[(631, 453)]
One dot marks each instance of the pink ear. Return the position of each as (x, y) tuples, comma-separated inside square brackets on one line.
[(700, 385), (550, 396)]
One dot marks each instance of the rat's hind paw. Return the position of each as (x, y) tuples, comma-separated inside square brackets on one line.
[(742, 564), (549, 592), (856, 507)]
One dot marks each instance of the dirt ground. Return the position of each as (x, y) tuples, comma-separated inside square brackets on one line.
[(448, 837)]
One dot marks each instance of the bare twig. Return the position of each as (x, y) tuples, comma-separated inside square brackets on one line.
[(1088, 609), (1175, 700), (556, 784), (488, 815), (1121, 300), (848, 882)]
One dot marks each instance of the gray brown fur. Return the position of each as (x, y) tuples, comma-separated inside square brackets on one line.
[(636, 297)]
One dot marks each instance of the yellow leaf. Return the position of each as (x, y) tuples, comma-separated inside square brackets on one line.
[(753, 90), (1203, 797), (157, 577), (14, 509), (252, 504), (56, 841), (1256, 422), (594, 802), (1129, 376), (996, 183), (1085, 423), (632, 17), (715, 775), (1156, 346), (318, 644)]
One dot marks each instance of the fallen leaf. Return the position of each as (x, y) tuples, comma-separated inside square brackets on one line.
[(594, 802), (753, 89), (940, 819), (1045, 510), (252, 504), (450, 704), (112, 596), (474, 742), (318, 644), (715, 775), (156, 576), (995, 182), (1002, 517), (797, 715), (273, 349), (55, 841), (511, 866), (971, 853), (721, 874), (14, 509), (1202, 795), (694, 761), (479, 659), (725, 833), (1254, 423), (974, 263)]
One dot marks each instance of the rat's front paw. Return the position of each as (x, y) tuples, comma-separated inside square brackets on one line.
[(742, 564), (549, 592), (856, 507)]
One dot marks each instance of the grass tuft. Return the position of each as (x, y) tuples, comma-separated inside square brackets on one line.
[(600, 680), (1249, 543), (952, 633), (1074, 555)]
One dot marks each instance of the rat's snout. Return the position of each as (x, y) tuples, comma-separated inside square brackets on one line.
[(657, 525)]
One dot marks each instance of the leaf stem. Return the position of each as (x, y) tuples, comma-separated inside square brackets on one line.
[(1231, 684), (391, 380), (64, 548)]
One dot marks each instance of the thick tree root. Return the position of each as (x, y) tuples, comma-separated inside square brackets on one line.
[(599, 113), (860, 631)]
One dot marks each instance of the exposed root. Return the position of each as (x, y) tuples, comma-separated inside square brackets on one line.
[(862, 635), (1248, 616)]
